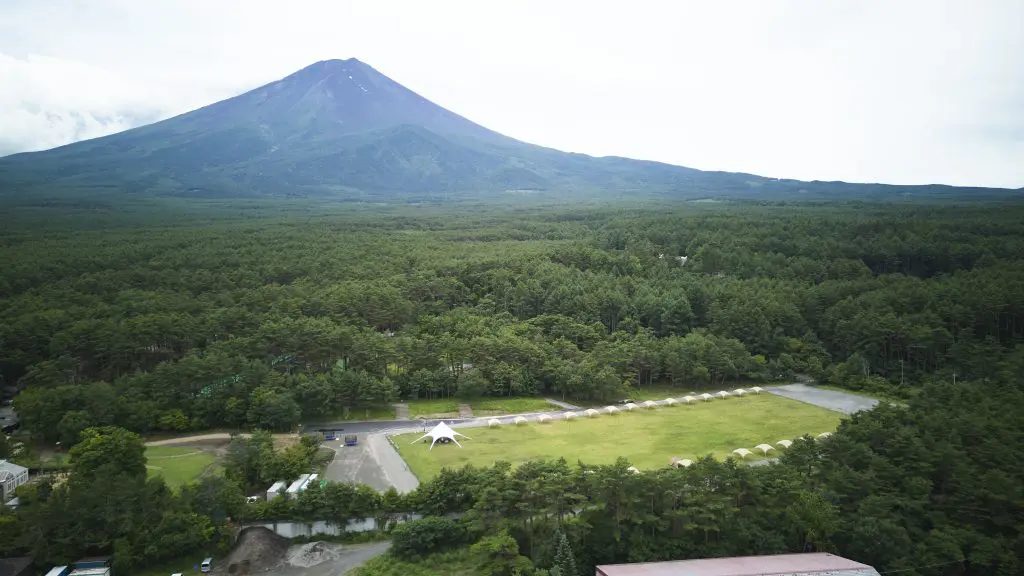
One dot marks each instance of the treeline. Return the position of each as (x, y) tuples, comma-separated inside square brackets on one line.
[(265, 321)]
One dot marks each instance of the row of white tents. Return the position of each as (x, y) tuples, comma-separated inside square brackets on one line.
[(630, 406), (764, 448)]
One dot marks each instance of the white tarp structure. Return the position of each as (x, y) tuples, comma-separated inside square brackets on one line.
[(739, 391), (681, 462), (671, 401), (742, 452), (757, 389), (543, 418), (688, 399), (764, 448), (519, 420), (630, 406), (570, 415), (633, 469), (824, 435), (591, 413), (723, 394), (439, 432), (611, 409), (785, 443), (650, 404), (493, 422), (706, 396)]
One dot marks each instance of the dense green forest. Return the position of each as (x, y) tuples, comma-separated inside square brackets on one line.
[(114, 325), (259, 317)]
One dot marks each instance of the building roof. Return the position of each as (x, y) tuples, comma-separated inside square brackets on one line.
[(813, 564), (8, 467)]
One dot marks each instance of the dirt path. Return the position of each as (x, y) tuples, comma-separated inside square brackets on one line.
[(349, 557), (830, 399), (465, 411), (206, 438), (563, 405), (401, 411)]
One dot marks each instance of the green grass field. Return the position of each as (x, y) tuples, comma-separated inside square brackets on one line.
[(648, 438), (178, 464), (491, 406), (443, 407)]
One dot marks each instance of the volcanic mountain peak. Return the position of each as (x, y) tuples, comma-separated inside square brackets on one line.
[(340, 127)]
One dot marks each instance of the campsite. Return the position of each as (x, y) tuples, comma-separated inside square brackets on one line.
[(648, 438)]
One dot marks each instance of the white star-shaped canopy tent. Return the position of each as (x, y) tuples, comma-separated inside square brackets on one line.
[(440, 431)]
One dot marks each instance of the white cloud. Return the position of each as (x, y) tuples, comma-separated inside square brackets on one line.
[(57, 101), (908, 92)]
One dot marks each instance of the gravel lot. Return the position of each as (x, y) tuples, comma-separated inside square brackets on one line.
[(829, 399)]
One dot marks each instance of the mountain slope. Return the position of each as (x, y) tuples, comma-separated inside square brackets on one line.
[(341, 128)]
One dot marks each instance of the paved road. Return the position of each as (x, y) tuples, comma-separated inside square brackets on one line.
[(831, 399)]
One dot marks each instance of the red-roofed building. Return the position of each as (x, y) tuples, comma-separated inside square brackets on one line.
[(813, 564)]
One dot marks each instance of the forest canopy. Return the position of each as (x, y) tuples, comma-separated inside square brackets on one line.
[(262, 317)]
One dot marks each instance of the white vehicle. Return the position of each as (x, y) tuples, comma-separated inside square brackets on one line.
[(207, 565)]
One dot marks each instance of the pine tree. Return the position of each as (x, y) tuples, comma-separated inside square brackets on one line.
[(565, 562)]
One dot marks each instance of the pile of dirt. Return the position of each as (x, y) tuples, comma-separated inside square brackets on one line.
[(311, 554), (257, 549)]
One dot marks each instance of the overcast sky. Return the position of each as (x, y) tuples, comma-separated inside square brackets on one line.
[(886, 91)]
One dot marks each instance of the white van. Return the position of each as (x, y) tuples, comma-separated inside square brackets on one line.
[(207, 565)]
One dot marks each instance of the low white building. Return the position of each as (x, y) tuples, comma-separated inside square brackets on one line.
[(11, 476)]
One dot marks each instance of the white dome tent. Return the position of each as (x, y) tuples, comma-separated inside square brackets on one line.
[(784, 443), (630, 406), (543, 418), (681, 462), (493, 422), (570, 415), (739, 391), (442, 432), (764, 448), (824, 435), (591, 413), (633, 470), (519, 420), (742, 452), (611, 409), (650, 404), (688, 399), (723, 394), (757, 389), (706, 396), (671, 401)]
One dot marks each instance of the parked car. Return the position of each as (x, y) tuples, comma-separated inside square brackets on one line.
[(207, 565)]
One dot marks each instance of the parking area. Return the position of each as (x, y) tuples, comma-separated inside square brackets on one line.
[(372, 461), (830, 399)]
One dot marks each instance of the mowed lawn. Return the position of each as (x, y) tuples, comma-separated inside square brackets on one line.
[(647, 438), (178, 464)]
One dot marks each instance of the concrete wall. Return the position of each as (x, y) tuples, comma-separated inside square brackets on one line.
[(293, 529)]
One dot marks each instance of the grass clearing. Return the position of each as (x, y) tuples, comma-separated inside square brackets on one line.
[(438, 408), (648, 438), (178, 465), (458, 562), (493, 406)]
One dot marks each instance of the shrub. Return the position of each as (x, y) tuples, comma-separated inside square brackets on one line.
[(425, 536)]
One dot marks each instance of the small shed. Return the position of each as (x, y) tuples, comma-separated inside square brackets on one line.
[(11, 476), (275, 489)]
